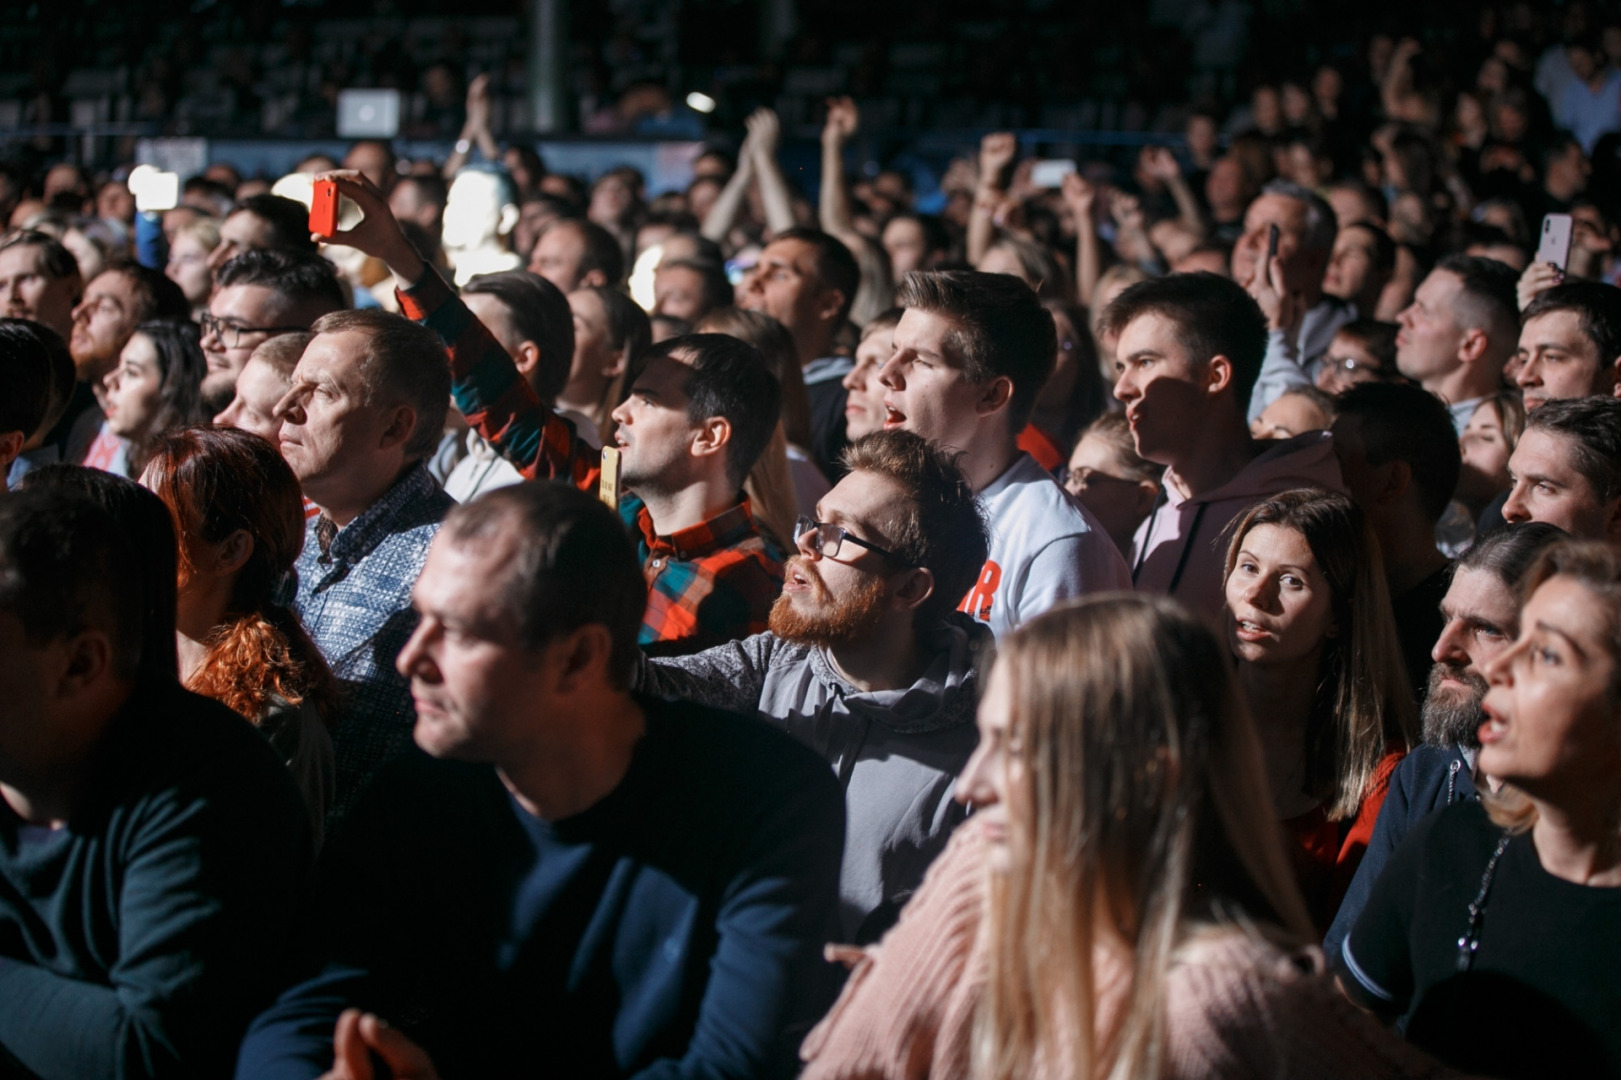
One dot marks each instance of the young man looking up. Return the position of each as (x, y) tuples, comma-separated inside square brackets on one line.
[(1566, 469), (971, 354), (1459, 332), (1190, 347)]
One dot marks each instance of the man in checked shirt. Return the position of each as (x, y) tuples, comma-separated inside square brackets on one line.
[(700, 411)]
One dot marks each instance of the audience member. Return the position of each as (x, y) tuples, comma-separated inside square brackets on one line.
[(1537, 859), (262, 222), (152, 849), (971, 353), (1074, 394), (868, 663), (864, 395), (39, 280), (120, 298), (574, 254), (264, 381), (1363, 350), (187, 265), (261, 294), (1570, 343), (1308, 621), (239, 520), (365, 409), (573, 824), (1566, 469), (1360, 266), (1105, 475), (689, 290), (1296, 411), (156, 386), (610, 334), (1486, 444), (26, 389), (1190, 347), (1459, 332)]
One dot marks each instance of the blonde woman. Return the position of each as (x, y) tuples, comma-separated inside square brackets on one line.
[(1120, 904), (1308, 620)]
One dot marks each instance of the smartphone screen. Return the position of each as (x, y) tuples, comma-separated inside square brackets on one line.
[(1271, 241), (1554, 247)]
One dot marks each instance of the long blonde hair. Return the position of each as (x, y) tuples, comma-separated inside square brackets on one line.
[(1142, 813), (1364, 698)]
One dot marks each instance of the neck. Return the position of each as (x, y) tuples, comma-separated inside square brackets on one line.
[(987, 457), (694, 504), (49, 795), (813, 343), (583, 396), (1578, 840), (889, 658), (554, 780), (199, 611), (1408, 544), (1220, 453), (344, 505), (1462, 383), (1282, 697)]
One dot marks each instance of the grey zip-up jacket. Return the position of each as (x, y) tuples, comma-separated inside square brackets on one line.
[(897, 753)]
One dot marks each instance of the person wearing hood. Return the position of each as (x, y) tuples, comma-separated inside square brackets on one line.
[(867, 662), (1190, 349)]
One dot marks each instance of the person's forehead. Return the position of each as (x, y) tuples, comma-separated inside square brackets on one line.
[(486, 307), (1479, 594), (861, 500), (467, 578), (1547, 452), (924, 331), (243, 226), (335, 356), (1354, 240), (1563, 328), (248, 305), (666, 375), (1439, 286), (1151, 332), (562, 239), (112, 284), (586, 306), (22, 259), (260, 380), (1280, 210), (797, 254), (1093, 452)]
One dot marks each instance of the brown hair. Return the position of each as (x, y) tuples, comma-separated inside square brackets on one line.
[(404, 363), (283, 351)]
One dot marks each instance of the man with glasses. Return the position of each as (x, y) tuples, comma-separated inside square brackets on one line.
[(261, 295), (868, 662)]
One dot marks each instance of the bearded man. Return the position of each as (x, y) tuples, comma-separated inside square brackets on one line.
[(868, 663)]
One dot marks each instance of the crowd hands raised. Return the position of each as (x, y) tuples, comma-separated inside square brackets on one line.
[(1150, 625)]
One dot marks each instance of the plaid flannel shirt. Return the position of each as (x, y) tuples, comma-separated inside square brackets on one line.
[(706, 585), (494, 397), (355, 600)]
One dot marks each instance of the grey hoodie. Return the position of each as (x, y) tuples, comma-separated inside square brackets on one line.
[(896, 752)]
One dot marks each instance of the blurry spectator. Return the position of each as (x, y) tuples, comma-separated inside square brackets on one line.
[(260, 222), (1106, 476), (1363, 350), (864, 411), (261, 294), (689, 290), (610, 334), (479, 216), (1294, 412), (915, 242), (1459, 332), (1486, 444), (39, 280), (1360, 266), (115, 303), (375, 160), (420, 200), (1590, 104), (26, 388), (574, 254), (263, 382), (188, 261), (30, 343), (155, 386), (535, 213)]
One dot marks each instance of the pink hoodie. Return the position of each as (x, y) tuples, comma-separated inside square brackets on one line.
[(1182, 548)]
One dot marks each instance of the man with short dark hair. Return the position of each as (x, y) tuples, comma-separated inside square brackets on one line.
[(152, 847), (572, 253), (420, 199), (1480, 617), (26, 376), (590, 882), (366, 407), (1570, 343), (1399, 458), (39, 280), (1566, 468), (807, 280), (868, 662), (260, 222), (1190, 348), (972, 351), (689, 289), (1459, 332), (260, 294)]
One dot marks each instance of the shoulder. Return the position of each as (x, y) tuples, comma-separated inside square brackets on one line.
[(739, 757)]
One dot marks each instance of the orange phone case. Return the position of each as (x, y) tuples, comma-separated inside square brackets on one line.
[(324, 208)]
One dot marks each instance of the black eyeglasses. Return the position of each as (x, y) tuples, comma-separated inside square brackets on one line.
[(826, 539), (230, 334)]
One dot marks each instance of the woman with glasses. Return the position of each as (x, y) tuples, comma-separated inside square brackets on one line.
[(1361, 351), (1106, 476)]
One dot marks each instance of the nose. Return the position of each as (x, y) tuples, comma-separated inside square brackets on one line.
[(228, 416), (1449, 646), (413, 659), (290, 408), (1529, 373), (855, 379), (890, 374), (621, 414), (1515, 511), (81, 313), (1498, 670), (974, 786)]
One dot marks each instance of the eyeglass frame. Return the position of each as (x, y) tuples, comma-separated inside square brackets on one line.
[(211, 324), (804, 525)]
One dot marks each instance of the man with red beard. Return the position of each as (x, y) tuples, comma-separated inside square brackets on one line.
[(1481, 619), (868, 662)]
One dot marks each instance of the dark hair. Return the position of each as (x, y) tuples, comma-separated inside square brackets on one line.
[(1320, 223), (404, 362), (156, 297), (430, 187), (540, 313), (999, 329), (1599, 308), (58, 261), (289, 220), (1508, 551), (305, 285), (28, 377), (1384, 248), (1408, 423), (1379, 338), (181, 365), (1593, 425), (599, 249), (940, 528), (716, 290), (835, 266), (1366, 193), (215, 481), (935, 236), (729, 379), (65, 567), (628, 325), (1213, 316), (142, 586), (1487, 301), (574, 565)]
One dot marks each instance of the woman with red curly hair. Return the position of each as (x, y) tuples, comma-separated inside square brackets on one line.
[(240, 524)]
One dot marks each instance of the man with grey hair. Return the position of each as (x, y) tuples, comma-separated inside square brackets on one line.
[(1301, 318)]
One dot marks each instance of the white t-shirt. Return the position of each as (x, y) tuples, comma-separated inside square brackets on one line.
[(1045, 548)]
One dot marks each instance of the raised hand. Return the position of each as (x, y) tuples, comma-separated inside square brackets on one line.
[(765, 132), (1283, 309), (843, 120), (1538, 278), (1160, 163), (1079, 195), (478, 104), (996, 152), (378, 233)]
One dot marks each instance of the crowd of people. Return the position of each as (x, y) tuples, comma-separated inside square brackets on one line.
[(1149, 622)]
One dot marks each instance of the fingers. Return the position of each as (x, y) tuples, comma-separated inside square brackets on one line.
[(404, 1058), (351, 1058)]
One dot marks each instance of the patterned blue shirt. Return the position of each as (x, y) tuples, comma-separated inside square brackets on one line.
[(355, 600)]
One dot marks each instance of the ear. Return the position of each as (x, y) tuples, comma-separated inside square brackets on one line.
[(1472, 346), (712, 437), (592, 279), (581, 658), (233, 553), (1615, 377), (402, 421), (1218, 376), (916, 585), (89, 659), (11, 444), (1398, 481), (527, 357), (828, 304), (509, 219), (995, 395), (1147, 492)]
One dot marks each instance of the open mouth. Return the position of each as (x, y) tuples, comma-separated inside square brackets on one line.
[(1250, 630)]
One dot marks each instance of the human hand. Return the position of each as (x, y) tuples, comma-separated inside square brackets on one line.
[(378, 234), (1127, 211), (1407, 49), (1160, 163), (359, 1035), (1538, 278), (1079, 195), (478, 105), (1283, 309), (843, 119), (765, 133), (996, 152)]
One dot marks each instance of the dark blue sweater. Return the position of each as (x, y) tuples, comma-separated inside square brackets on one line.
[(138, 940), (674, 929)]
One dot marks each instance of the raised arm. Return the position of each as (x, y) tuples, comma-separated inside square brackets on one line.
[(723, 215), (843, 119), (476, 131), (765, 131), (1162, 165), (1079, 195), (996, 152)]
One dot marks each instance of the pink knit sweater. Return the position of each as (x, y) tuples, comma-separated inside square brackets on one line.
[(1237, 1008)]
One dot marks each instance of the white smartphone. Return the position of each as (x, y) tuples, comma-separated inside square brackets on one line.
[(153, 189), (1050, 173), (1555, 244)]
